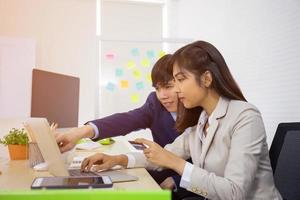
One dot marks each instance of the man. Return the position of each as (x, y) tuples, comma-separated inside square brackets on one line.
[(158, 114)]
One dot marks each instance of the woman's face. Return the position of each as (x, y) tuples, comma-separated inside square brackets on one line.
[(190, 93)]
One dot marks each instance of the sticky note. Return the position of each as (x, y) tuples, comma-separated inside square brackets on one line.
[(145, 62), (150, 54), (110, 86), (130, 64), (124, 84), (119, 72), (135, 52), (139, 85), (110, 56), (137, 74), (161, 54), (135, 98)]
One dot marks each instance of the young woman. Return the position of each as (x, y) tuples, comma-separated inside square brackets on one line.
[(226, 139)]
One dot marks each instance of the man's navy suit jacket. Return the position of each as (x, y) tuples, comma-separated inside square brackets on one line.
[(152, 115)]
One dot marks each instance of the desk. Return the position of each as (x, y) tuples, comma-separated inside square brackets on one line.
[(18, 175)]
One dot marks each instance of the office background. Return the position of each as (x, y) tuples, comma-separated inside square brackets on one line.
[(260, 40)]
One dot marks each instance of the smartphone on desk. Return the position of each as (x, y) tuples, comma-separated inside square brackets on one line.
[(64, 182), (137, 146)]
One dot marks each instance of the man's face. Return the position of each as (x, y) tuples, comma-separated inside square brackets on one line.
[(166, 94)]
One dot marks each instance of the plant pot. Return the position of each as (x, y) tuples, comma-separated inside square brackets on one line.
[(18, 152)]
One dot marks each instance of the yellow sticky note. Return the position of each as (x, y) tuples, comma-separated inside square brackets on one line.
[(124, 84), (137, 74), (130, 64), (135, 98), (145, 62), (148, 77), (161, 54)]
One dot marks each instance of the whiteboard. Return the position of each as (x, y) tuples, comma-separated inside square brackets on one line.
[(128, 53), (125, 75), (131, 42)]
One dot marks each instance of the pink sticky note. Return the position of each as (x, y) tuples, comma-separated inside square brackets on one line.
[(110, 56)]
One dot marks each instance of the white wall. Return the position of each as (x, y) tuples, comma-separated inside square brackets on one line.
[(260, 40), (65, 35), (17, 59)]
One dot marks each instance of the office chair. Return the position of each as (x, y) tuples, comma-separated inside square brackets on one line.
[(285, 160), (277, 142)]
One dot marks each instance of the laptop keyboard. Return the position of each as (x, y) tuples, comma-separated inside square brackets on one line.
[(77, 172)]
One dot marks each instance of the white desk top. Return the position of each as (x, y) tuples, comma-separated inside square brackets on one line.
[(18, 175)]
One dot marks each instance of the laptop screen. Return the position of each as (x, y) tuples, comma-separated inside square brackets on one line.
[(40, 129)]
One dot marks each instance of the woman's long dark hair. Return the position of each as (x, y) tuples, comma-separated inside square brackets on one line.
[(197, 58)]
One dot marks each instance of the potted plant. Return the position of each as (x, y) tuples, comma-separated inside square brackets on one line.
[(17, 142)]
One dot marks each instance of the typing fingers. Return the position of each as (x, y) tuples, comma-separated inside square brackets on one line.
[(102, 167), (84, 163), (96, 158)]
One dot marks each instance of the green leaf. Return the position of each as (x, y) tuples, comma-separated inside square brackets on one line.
[(15, 136)]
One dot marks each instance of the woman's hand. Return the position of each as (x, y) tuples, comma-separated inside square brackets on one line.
[(168, 184), (160, 156), (100, 161)]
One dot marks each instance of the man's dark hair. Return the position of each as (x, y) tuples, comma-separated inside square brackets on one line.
[(160, 73)]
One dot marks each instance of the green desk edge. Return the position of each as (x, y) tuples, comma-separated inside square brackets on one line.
[(85, 194)]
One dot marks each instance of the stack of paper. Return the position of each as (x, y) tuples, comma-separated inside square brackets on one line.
[(88, 145)]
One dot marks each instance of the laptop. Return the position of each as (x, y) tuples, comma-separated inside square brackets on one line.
[(40, 129)]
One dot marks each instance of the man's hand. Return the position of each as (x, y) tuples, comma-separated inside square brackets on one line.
[(67, 140)]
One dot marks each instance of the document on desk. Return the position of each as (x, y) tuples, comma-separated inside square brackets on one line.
[(88, 145)]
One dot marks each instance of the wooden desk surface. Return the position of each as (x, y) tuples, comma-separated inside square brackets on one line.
[(16, 175)]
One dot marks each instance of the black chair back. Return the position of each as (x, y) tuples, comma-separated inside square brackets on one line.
[(285, 160), (287, 173), (278, 140)]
